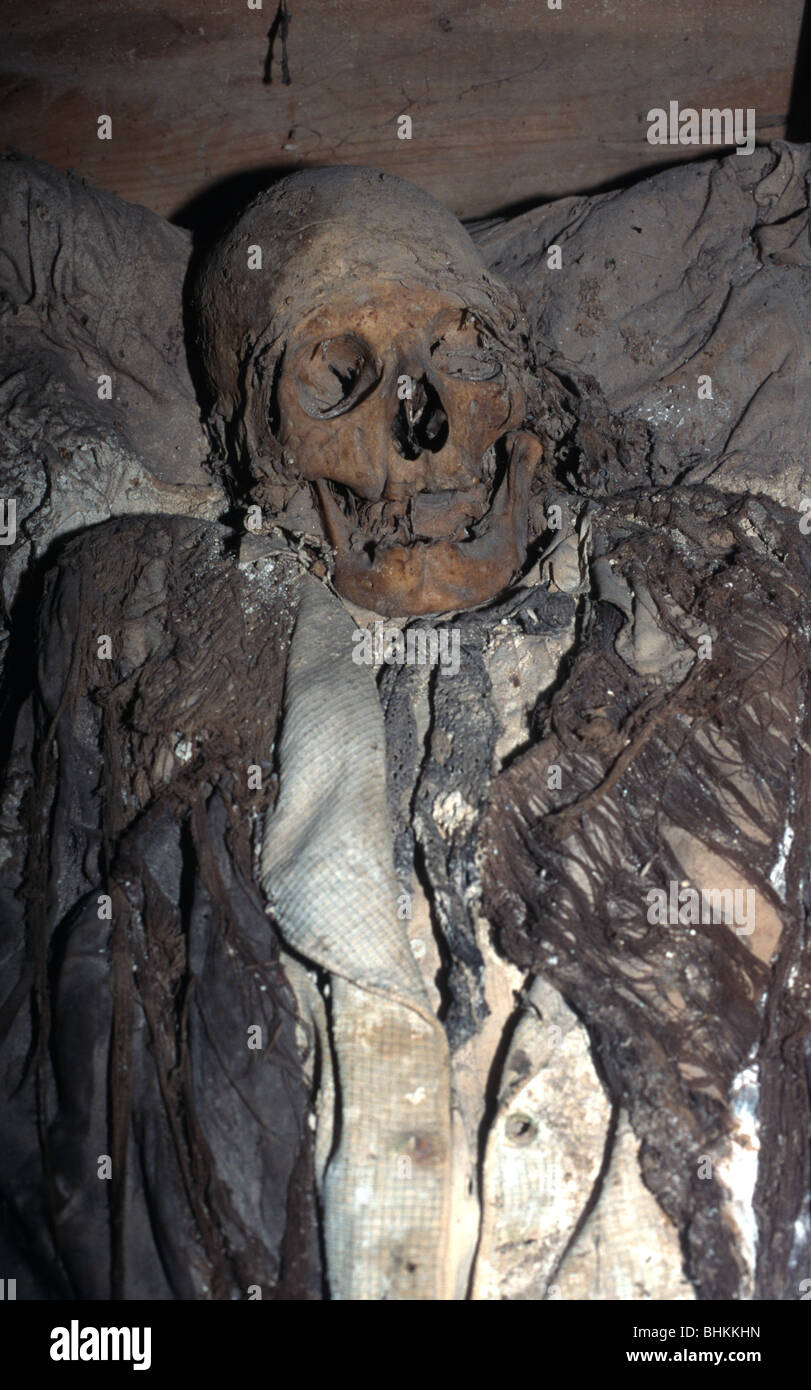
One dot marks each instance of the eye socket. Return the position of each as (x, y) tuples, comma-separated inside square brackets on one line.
[(463, 347), (335, 374)]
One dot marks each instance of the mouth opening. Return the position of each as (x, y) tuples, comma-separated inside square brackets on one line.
[(423, 519)]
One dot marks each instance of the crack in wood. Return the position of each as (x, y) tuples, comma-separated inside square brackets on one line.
[(279, 28)]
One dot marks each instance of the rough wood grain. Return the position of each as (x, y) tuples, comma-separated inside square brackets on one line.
[(510, 101)]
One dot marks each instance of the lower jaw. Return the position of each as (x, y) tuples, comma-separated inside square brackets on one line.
[(443, 575), (435, 577)]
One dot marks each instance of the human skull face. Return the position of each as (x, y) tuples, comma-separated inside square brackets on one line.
[(401, 406), (377, 365)]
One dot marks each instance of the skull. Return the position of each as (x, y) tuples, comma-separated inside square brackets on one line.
[(372, 363)]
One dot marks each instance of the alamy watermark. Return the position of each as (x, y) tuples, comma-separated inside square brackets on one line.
[(685, 907), (415, 647), (75, 1343), (711, 125)]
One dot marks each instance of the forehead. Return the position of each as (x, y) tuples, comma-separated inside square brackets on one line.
[(384, 305)]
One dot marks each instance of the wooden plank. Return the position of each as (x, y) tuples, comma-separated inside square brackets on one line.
[(510, 101)]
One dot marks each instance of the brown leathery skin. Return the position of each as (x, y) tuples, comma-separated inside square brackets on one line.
[(374, 357), (445, 575)]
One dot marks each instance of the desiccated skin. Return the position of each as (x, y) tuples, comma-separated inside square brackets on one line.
[(375, 359)]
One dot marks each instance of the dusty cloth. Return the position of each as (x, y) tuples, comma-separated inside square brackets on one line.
[(98, 412), (702, 272), (145, 946), (678, 770), (328, 870)]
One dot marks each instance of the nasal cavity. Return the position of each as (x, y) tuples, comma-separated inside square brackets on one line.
[(420, 425)]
